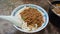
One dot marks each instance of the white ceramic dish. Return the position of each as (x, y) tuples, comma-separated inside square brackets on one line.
[(44, 13)]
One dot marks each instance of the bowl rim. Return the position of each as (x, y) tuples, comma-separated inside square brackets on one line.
[(32, 5)]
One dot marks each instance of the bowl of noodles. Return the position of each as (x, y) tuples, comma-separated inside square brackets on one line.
[(33, 18)]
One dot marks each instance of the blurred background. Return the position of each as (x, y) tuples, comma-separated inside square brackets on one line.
[(6, 8)]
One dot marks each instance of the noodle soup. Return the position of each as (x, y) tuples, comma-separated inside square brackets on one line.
[(56, 11)]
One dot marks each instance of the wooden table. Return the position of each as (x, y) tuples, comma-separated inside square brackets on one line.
[(6, 8)]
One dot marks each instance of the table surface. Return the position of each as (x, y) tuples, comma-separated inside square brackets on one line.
[(6, 8)]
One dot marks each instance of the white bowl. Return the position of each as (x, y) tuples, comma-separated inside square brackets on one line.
[(44, 13)]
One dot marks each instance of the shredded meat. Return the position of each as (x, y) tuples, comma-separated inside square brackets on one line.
[(32, 16)]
